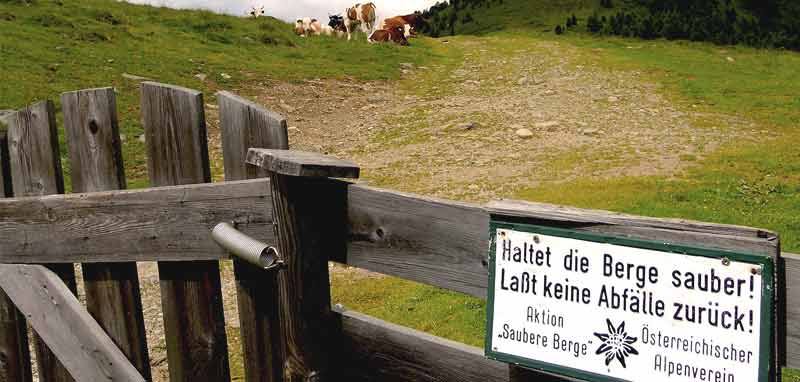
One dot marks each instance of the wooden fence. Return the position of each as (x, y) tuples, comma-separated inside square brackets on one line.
[(108, 229)]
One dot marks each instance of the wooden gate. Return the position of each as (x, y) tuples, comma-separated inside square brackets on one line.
[(108, 230)]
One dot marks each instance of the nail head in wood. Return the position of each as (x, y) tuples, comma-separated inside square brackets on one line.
[(302, 164)]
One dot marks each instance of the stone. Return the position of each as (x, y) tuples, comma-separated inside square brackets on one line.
[(376, 99), (406, 65), (122, 137), (225, 76), (294, 128), (134, 77), (591, 132), (523, 81), (142, 138), (524, 133), (286, 107), (467, 126), (200, 76), (549, 125), (730, 59), (613, 99), (212, 106)]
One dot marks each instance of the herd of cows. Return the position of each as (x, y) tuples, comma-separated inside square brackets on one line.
[(397, 29)]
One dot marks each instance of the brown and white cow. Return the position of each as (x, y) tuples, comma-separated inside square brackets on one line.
[(410, 23), (307, 27), (395, 35), (360, 14)]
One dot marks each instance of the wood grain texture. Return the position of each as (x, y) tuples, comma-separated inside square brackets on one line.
[(15, 362), (95, 152), (301, 163), (175, 129), (432, 241), (792, 309), (244, 125), (34, 157), (62, 322), (374, 350), (167, 223), (311, 220), (35, 167), (191, 294)]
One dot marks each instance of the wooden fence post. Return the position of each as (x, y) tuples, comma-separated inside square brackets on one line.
[(191, 294), (244, 125), (95, 152), (35, 166), (311, 222), (15, 360)]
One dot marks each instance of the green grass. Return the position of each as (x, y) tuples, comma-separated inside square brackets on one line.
[(49, 47)]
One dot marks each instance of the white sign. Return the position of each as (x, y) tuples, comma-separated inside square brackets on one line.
[(622, 312)]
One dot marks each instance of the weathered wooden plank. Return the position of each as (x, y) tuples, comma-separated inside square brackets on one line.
[(95, 152), (175, 130), (34, 158), (35, 167), (374, 350), (244, 125), (792, 309), (191, 293), (15, 362), (62, 322), (432, 241), (156, 224), (311, 224), (301, 163)]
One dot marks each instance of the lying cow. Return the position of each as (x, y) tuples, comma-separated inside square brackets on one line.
[(307, 27), (360, 14), (395, 35)]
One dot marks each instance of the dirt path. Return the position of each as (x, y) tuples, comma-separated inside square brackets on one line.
[(513, 115)]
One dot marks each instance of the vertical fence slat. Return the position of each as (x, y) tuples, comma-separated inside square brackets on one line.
[(244, 125), (112, 290), (15, 361), (35, 167), (191, 294)]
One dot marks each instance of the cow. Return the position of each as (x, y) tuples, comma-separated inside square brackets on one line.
[(360, 14), (256, 12), (410, 23), (307, 27), (395, 35), (336, 24)]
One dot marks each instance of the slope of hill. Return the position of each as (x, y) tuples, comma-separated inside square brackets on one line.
[(52, 46), (760, 23)]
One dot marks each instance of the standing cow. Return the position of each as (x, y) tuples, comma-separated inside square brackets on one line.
[(256, 12), (360, 14)]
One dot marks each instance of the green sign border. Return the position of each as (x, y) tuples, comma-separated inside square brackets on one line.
[(767, 292)]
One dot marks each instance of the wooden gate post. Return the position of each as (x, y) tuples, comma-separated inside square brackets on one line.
[(95, 153), (35, 168), (311, 223), (15, 360), (244, 125)]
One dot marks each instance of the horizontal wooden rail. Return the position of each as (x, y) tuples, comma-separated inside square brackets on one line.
[(375, 350), (70, 332), (155, 224), (435, 242)]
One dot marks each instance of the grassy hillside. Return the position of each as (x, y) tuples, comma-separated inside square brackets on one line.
[(52, 46)]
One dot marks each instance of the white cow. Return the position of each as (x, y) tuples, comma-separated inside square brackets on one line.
[(256, 12)]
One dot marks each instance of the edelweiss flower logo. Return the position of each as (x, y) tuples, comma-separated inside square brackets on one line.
[(616, 344)]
